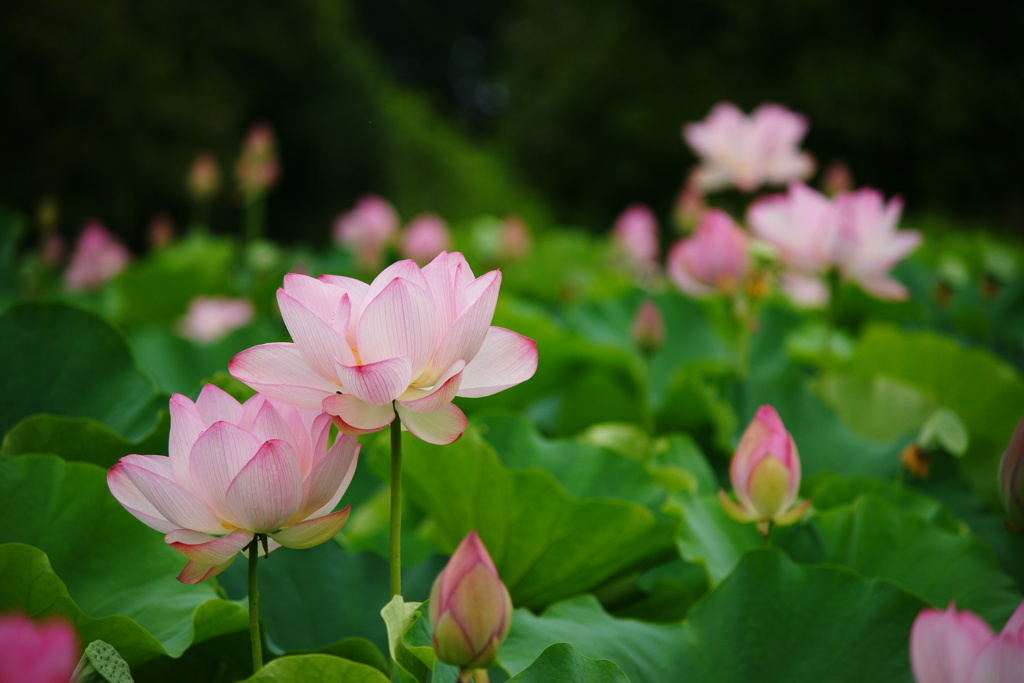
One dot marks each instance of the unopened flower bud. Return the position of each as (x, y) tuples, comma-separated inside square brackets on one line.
[(470, 608), (203, 178), (765, 474), (649, 327)]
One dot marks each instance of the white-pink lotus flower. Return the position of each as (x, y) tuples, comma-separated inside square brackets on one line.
[(714, 261), (959, 647), (367, 230), (765, 474), (410, 342), (211, 318), (869, 243), (747, 152), (236, 470), (636, 234), (424, 238)]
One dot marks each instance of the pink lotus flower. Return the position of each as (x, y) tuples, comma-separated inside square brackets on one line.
[(203, 179), (98, 256), (869, 244), (44, 652), (515, 240), (714, 261), (410, 342), (649, 327), (210, 319), (1011, 480), (425, 237), (470, 608), (367, 230), (636, 234), (765, 474), (258, 168), (747, 152), (959, 647), (236, 470)]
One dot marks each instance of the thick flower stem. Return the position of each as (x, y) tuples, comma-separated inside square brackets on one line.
[(254, 596), (396, 506)]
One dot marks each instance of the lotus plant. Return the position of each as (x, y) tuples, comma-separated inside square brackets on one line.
[(98, 256), (947, 646), (424, 238), (648, 328), (44, 652), (635, 235), (715, 260), (765, 475), (239, 476), (470, 610), (367, 230), (747, 152), (395, 351)]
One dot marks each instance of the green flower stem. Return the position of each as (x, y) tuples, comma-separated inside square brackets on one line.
[(396, 506), (254, 596), (255, 215)]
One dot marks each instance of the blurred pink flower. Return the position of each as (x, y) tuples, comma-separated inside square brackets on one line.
[(236, 470), (43, 652), (515, 239), (98, 256), (869, 243), (424, 238), (649, 327), (410, 342), (211, 318), (765, 475), (635, 234), (470, 609), (959, 647), (203, 179), (258, 168), (747, 152), (714, 261), (367, 230), (689, 207)]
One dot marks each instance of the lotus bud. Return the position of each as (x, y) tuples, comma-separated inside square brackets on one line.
[(515, 239), (203, 178), (425, 238), (837, 178), (649, 328), (44, 652), (257, 168), (765, 474), (470, 608), (1011, 480), (636, 235)]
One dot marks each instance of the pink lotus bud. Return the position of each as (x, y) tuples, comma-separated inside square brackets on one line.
[(747, 152), (98, 257), (1011, 480), (837, 179), (424, 238), (367, 230), (765, 474), (210, 319), (257, 169), (689, 207), (203, 179), (636, 235), (44, 652), (515, 239), (470, 608), (715, 260), (959, 647), (161, 231), (649, 327)]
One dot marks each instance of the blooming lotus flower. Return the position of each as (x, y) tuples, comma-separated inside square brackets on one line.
[(1011, 480), (410, 342), (747, 152), (959, 647), (869, 244), (210, 318), (425, 237), (367, 229), (715, 260), (765, 474), (236, 470), (98, 256), (257, 168), (470, 608), (636, 234), (649, 327), (44, 652)]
